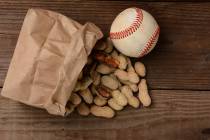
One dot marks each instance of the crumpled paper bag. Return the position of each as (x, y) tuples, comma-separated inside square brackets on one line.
[(50, 53)]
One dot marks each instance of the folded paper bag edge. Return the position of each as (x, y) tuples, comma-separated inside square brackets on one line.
[(60, 108)]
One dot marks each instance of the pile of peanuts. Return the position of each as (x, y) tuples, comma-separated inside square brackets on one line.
[(108, 83)]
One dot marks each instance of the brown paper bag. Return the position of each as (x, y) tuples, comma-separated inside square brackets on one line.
[(50, 53)]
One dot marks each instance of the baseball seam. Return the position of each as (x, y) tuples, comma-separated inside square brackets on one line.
[(131, 29), (151, 41)]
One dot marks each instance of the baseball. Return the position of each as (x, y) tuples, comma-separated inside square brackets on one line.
[(134, 32)]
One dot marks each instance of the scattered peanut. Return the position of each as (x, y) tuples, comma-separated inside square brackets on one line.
[(86, 82), (114, 54), (100, 91), (121, 74), (96, 78), (143, 93), (114, 77), (93, 90), (132, 100), (112, 80), (99, 101), (140, 69), (133, 87), (113, 104), (83, 84), (103, 92), (107, 59), (75, 99), (104, 111), (123, 62), (83, 109), (130, 67), (104, 69), (120, 85), (109, 82), (87, 96), (133, 77), (127, 76), (119, 98)]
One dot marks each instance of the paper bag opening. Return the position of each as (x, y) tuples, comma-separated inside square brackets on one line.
[(50, 53)]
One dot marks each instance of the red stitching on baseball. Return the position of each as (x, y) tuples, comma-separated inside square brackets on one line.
[(150, 42), (131, 29)]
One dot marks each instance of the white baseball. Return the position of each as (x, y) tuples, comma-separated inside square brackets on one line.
[(134, 32)]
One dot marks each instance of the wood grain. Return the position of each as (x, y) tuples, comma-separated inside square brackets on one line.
[(174, 115), (67, 1), (181, 60)]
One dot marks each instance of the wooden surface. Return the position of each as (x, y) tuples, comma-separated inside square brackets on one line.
[(178, 76), (174, 115)]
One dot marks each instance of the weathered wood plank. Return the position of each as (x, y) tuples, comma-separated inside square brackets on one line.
[(180, 61), (67, 1), (173, 115)]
